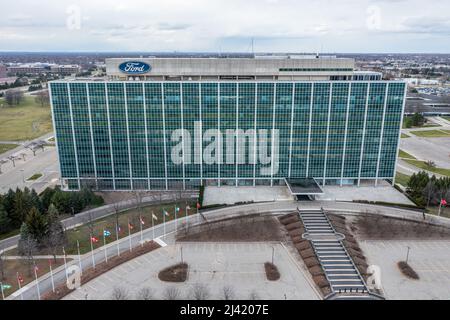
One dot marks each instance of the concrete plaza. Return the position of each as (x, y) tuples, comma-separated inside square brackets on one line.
[(430, 259), (214, 265)]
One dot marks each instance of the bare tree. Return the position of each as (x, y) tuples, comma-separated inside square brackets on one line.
[(116, 208), (89, 222), (145, 294), (42, 97), (227, 293), (13, 97), (200, 292), (27, 248), (55, 237), (119, 293), (171, 293)]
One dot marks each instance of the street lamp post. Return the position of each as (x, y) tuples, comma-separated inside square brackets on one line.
[(407, 254)]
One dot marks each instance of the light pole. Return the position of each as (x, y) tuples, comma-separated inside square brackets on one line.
[(407, 254), (273, 253)]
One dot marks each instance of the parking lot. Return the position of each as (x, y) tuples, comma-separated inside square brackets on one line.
[(430, 259), (214, 265)]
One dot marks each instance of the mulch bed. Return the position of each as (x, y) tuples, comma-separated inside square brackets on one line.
[(407, 270), (237, 229), (272, 272), (295, 228), (175, 273), (61, 290)]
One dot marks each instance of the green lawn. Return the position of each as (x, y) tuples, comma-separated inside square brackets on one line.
[(446, 118), (35, 176), (405, 155), (423, 165), (401, 178), (24, 122), (432, 133), (404, 135), (82, 233), (7, 147)]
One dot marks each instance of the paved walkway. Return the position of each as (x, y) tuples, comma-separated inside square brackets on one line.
[(29, 291)]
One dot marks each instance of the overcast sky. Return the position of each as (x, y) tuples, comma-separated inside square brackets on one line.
[(226, 25)]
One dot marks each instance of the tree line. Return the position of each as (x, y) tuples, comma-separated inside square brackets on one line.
[(428, 191), (38, 217)]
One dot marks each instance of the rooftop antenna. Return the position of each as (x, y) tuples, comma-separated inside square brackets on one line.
[(253, 47)]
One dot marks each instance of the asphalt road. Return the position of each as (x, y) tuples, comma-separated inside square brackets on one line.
[(101, 212)]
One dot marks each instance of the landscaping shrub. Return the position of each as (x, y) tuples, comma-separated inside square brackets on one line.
[(316, 271), (295, 233), (294, 225), (321, 281), (311, 262), (407, 270), (289, 219), (272, 272), (307, 253), (175, 273)]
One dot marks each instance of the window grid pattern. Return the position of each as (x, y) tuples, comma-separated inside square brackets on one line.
[(135, 149)]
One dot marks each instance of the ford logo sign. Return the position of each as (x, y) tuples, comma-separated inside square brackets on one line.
[(134, 67)]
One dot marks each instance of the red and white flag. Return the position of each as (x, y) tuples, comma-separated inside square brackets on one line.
[(130, 226), (198, 205), (443, 202), (19, 278), (94, 239), (142, 220)]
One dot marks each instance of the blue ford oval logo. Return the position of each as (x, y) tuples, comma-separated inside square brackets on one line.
[(134, 67)]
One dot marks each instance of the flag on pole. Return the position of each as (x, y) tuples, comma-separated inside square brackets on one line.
[(106, 233), (141, 220), (154, 217), (443, 202), (166, 213), (198, 205), (130, 226), (19, 278), (36, 268), (177, 209), (94, 239), (188, 208), (119, 229)]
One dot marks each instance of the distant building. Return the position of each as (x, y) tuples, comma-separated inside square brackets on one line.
[(171, 123), (65, 69), (39, 68), (3, 71)]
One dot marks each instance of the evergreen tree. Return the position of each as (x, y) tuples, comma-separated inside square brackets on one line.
[(55, 237), (36, 224), (5, 222)]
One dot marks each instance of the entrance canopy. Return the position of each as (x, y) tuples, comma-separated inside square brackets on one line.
[(303, 186)]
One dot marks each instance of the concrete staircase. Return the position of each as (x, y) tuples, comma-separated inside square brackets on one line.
[(345, 280)]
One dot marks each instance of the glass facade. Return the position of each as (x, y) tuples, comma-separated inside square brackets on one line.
[(153, 135)]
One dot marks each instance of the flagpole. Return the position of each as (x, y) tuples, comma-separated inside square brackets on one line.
[(104, 246), (20, 287), (176, 221), (65, 261), (129, 233), (37, 283), (140, 223), (92, 252), (153, 227), (3, 294), (164, 224), (117, 240), (79, 256), (51, 275), (440, 205)]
